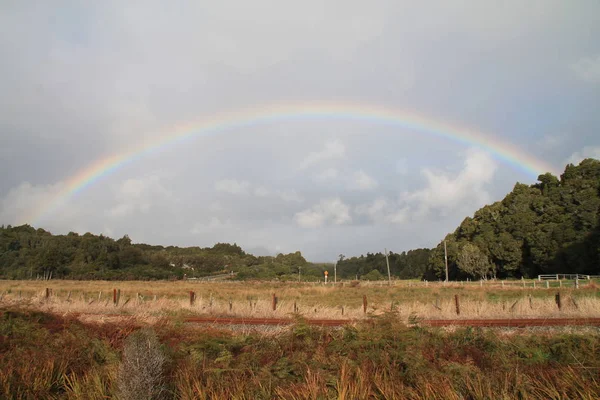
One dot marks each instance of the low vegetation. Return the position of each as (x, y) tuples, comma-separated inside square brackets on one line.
[(47, 356)]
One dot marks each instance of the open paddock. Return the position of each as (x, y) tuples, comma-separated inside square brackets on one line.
[(408, 299)]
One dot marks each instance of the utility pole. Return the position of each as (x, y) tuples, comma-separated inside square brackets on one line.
[(446, 260), (387, 261), (335, 272)]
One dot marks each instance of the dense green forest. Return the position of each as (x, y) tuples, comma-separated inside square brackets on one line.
[(552, 226), (29, 253), (406, 265)]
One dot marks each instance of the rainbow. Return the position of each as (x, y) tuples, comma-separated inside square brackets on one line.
[(229, 121)]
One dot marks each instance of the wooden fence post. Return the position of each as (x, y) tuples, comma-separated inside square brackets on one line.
[(295, 308), (48, 291), (558, 301), (365, 304), (457, 303), (530, 302), (547, 284), (342, 310), (192, 298), (115, 297), (274, 302), (230, 305)]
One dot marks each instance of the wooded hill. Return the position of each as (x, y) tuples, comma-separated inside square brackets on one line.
[(552, 226), (29, 253)]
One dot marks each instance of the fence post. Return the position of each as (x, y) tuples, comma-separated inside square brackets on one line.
[(530, 302), (558, 301), (230, 305), (274, 302), (457, 303), (192, 298), (547, 284), (48, 291), (365, 304), (577, 282), (115, 297)]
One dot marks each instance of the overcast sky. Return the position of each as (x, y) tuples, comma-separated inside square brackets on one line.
[(80, 81)]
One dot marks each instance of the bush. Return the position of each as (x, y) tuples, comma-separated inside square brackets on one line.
[(374, 275), (141, 373)]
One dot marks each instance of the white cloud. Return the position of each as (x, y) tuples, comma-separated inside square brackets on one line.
[(139, 195), (20, 203), (374, 210), (362, 181), (382, 210), (445, 193), (586, 152), (232, 186), (588, 69), (332, 211), (327, 175), (261, 191), (399, 216), (290, 196), (333, 150), (212, 224)]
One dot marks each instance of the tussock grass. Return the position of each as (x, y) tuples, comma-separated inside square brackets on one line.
[(150, 301)]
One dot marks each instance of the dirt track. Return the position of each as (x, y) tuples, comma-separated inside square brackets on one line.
[(509, 323)]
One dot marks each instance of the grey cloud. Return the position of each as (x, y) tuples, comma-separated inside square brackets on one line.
[(84, 81)]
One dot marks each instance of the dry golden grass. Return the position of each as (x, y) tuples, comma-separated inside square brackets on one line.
[(150, 301)]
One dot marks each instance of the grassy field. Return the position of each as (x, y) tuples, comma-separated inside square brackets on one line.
[(408, 299)]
